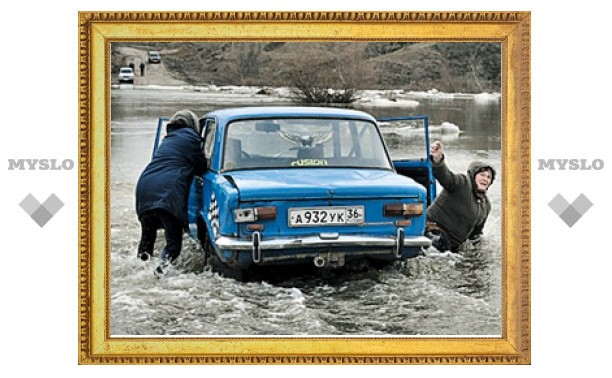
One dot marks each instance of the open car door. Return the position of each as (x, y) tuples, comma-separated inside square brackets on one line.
[(413, 135), (160, 133)]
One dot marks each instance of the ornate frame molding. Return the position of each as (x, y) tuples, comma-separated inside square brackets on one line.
[(97, 29)]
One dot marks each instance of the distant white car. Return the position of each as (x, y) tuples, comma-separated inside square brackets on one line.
[(154, 57), (126, 75)]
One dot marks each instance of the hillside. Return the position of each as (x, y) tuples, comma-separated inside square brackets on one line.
[(448, 67)]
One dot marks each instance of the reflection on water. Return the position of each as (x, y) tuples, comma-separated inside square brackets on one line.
[(479, 121), (434, 294)]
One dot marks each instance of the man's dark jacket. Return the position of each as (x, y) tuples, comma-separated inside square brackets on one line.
[(460, 210), (165, 182)]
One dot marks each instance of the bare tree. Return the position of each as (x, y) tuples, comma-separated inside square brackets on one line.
[(244, 61), (328, 72)]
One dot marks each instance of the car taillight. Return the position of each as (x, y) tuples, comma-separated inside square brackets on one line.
[(403, 209), (253, 214)]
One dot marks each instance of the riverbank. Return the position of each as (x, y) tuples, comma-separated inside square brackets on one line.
[(366, 98)]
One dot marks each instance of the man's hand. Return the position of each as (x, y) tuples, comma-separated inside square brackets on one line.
[(476, 240), (437, 151)]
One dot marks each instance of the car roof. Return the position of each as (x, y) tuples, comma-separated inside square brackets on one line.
[(230, 114)]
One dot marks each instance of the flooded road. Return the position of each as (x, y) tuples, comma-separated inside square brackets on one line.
[(432, 295)]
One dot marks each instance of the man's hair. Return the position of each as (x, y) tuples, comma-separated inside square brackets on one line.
[(184, 118), (479, 166)]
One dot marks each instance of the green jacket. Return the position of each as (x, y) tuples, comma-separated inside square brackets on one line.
[(460, 209)]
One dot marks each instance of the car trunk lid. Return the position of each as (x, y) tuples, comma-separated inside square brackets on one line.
[(327, 183)]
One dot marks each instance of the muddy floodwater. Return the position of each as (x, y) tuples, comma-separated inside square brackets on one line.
[(437, 294)]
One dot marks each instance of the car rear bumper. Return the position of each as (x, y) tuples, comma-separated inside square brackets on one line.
[(324, 247), (330, 241)]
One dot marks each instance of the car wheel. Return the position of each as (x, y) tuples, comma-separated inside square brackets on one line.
[(228, 271), (212, 259), (204, 240)]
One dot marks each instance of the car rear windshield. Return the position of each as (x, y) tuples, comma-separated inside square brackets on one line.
[(303, 142)]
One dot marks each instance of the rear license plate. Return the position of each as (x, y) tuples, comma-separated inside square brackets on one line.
[(326, 216)]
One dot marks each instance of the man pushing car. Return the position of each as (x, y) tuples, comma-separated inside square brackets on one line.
[(163, 188), (459, 213)]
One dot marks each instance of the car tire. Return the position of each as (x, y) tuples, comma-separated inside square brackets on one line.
[(204, 239), (228, 271), (212, 259)]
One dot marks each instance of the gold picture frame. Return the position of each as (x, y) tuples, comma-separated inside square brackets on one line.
[(98, 29)]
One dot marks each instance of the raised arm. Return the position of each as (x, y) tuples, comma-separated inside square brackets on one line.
[(449, 180)]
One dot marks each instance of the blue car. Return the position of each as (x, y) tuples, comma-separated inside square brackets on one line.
[(310, 186)]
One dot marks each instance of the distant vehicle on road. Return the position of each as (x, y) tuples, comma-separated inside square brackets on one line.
[(126, 75), (154, 57)]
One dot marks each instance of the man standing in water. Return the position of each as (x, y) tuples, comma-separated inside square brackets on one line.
[(459, 213), (163, 188)]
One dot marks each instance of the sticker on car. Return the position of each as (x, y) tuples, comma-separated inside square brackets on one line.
[(309, 162)]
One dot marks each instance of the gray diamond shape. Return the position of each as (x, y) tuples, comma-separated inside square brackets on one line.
[(41, 213), (558, 204), (582, 204), (570, 213), (29, 204), (41, 216), (53, 204)]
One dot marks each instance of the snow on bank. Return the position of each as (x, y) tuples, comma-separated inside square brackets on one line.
[(434, 94), (487, 97), (385, 99), (366, 98), (397, 98), (445, 128), (402, 128)]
